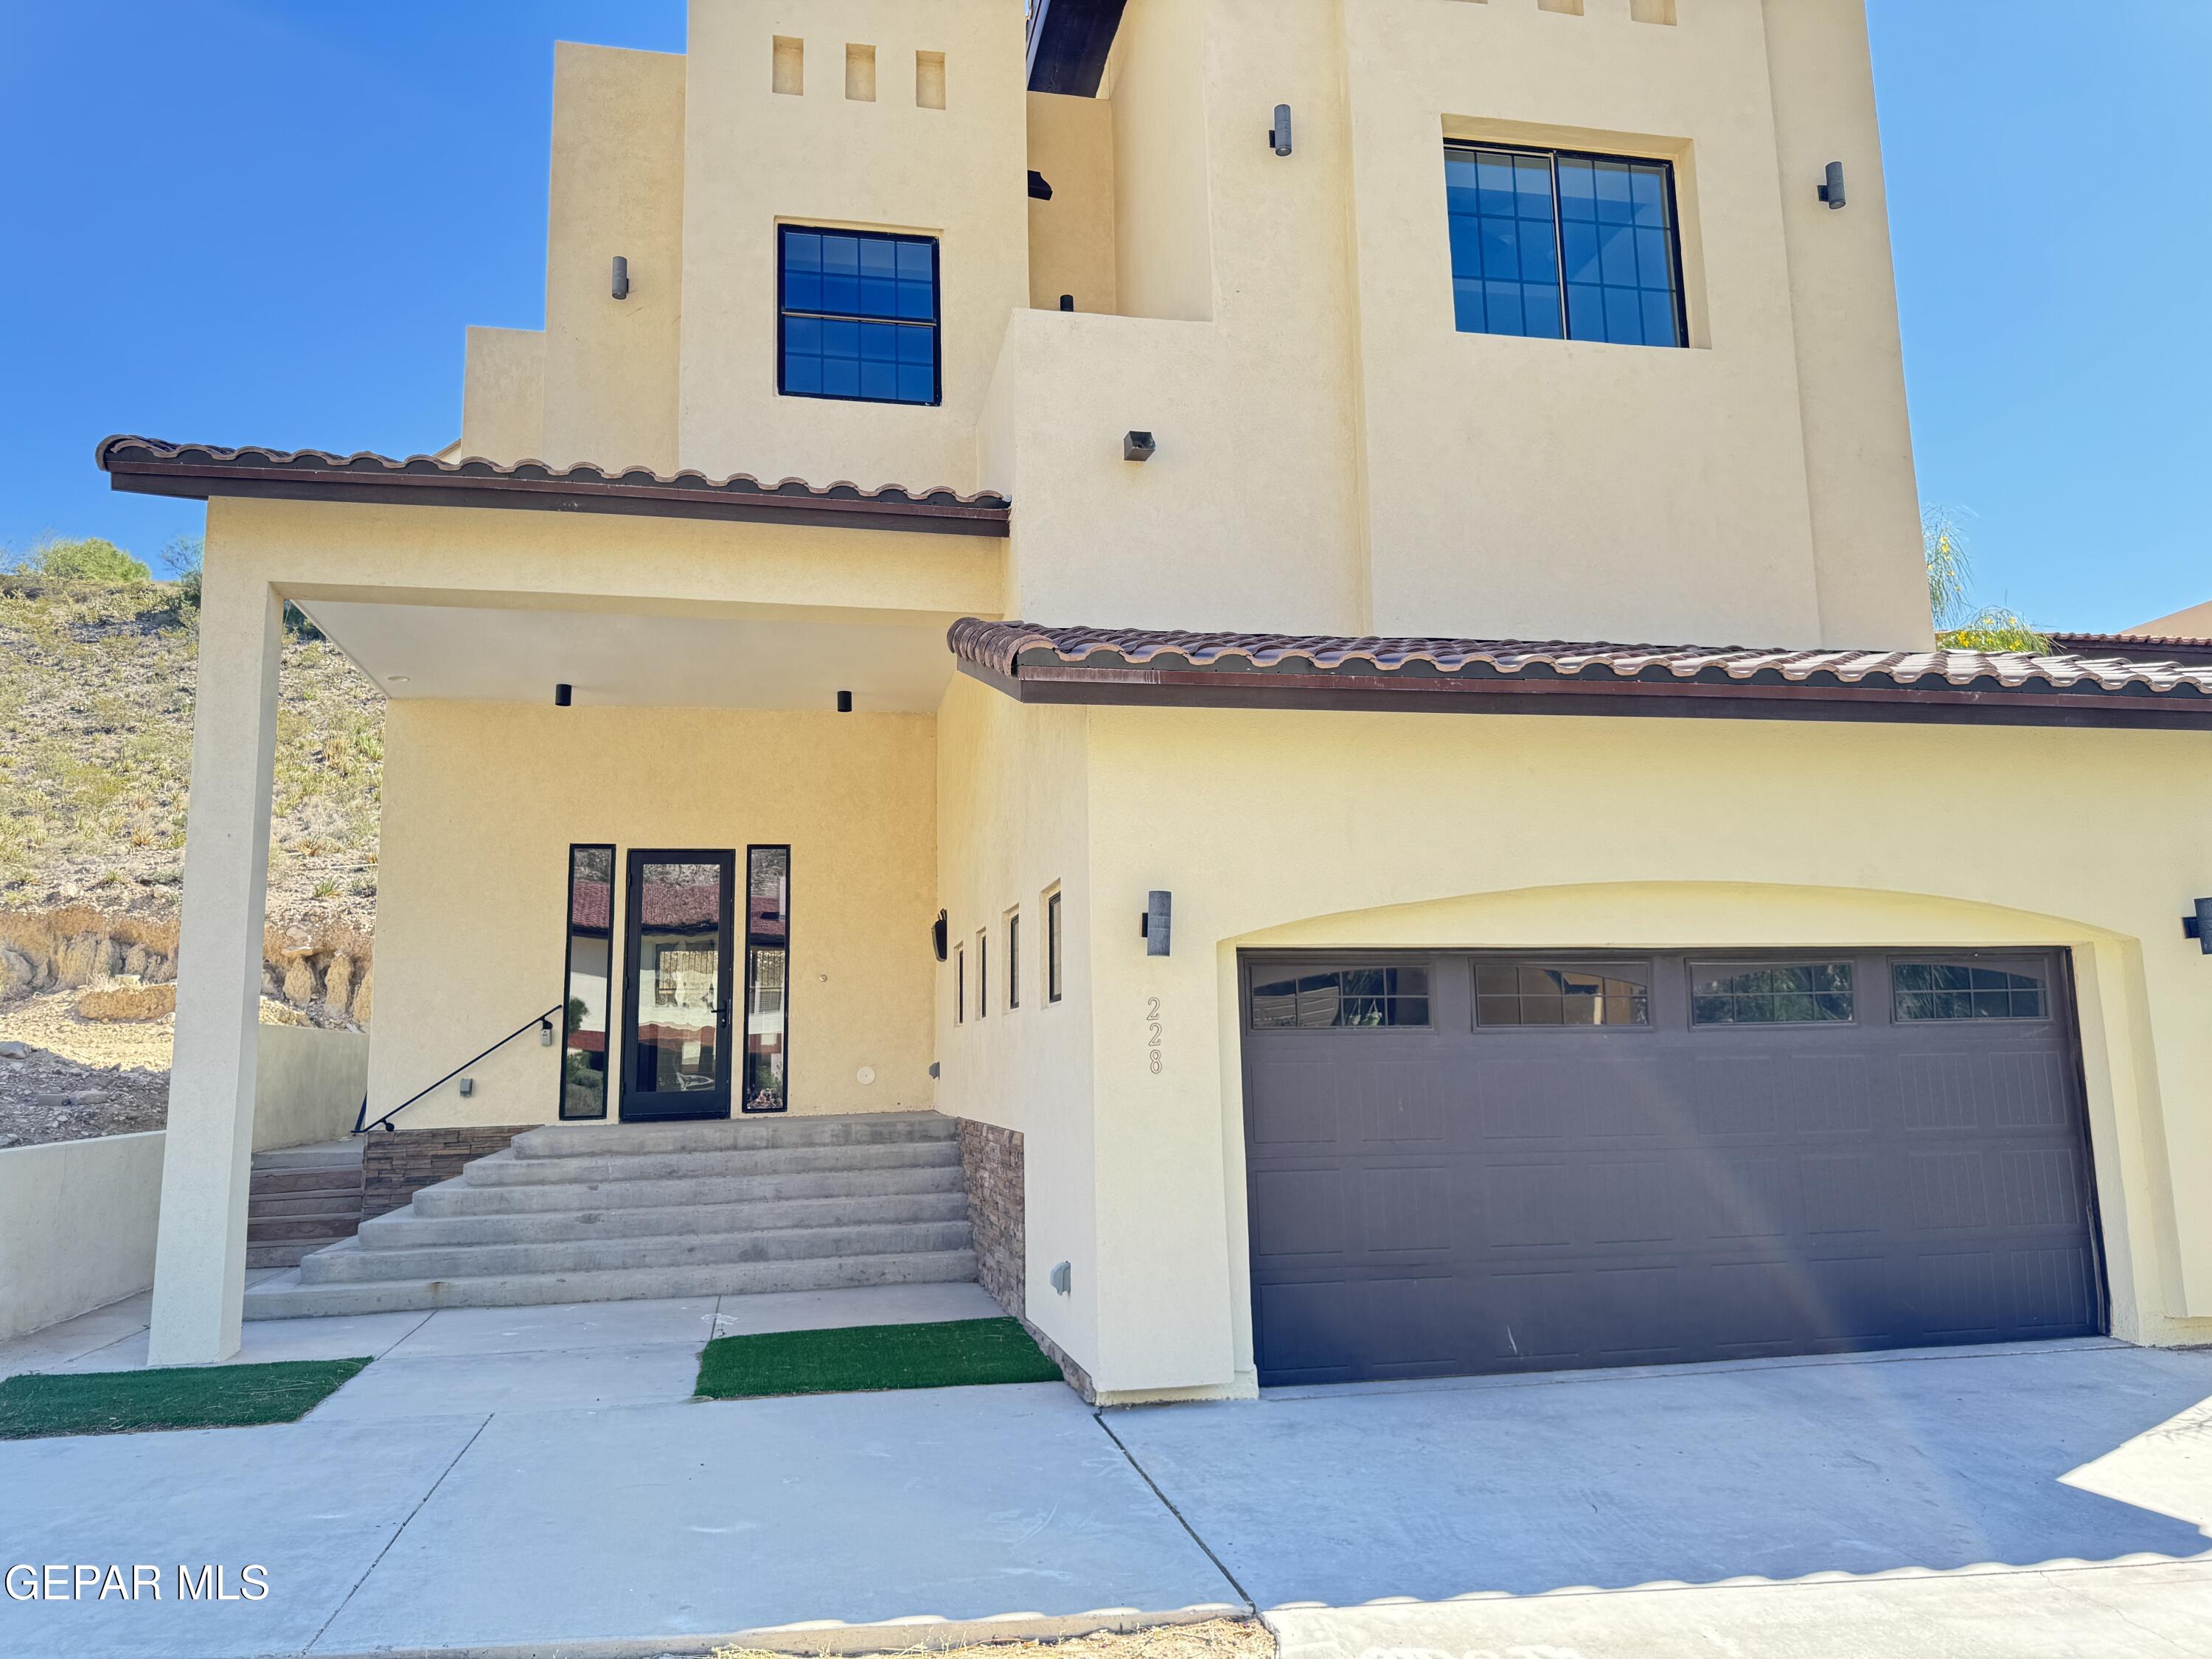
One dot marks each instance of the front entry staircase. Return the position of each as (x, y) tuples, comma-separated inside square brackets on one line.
[(621, 1213)]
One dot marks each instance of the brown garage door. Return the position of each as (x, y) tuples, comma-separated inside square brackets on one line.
[(1472, 1162)]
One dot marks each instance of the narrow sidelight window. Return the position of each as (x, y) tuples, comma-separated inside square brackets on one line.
[(767, 1078), (982, 974), (1552, 244), (959, 985), (590, 979), (1052, 948), (1013, 959), (858, 316)]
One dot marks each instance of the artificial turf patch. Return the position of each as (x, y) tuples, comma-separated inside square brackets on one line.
[(173, 1397), (864, 1358)]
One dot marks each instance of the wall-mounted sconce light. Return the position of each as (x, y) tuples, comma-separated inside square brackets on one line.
[(1278, 136), (844, 702), (1832, 191), (1039, 190), (468, 1087), (621, 278), (1157, 922), (564, 694), (1067, 302), (939, 932), (1063, 1277), (1140, 447), (545, 1032), (2199, 925), (934, 1070)]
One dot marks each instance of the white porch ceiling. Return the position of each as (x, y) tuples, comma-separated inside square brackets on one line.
[(769, 660)]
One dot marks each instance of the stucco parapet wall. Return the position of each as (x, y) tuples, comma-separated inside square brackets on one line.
[(1263, 671), (152, 466)]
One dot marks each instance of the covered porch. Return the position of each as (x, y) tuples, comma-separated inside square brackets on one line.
[(660, 815)]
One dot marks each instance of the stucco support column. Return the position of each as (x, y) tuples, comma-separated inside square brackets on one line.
[(199, 1262)]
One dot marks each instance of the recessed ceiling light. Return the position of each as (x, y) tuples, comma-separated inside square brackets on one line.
[(398, 679)]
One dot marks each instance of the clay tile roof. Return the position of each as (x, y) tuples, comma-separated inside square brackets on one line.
[(151, 466), (2136, 647), (1094, 664)]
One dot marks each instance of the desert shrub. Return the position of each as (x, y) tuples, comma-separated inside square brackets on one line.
[(87, 559)]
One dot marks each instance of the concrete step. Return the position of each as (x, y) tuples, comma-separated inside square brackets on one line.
[(288, 1298), (324, 1155), (405, 1229), (462, 1197), (281, 1255), (509, 1169), (735, 1135), (278, 1181), (318, 1230), (346, 1203), (348, 1263)]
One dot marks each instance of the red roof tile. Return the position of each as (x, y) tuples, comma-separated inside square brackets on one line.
[(1093, 665), (151, 466)]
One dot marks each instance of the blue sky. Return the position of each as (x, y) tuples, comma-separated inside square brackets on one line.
[(241, 221)]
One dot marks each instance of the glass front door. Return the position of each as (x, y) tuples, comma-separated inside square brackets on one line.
[(675, 1029)]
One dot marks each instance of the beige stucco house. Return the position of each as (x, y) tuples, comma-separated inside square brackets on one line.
[(1028, 567)]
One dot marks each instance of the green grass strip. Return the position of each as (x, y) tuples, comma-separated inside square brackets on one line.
[(174, 1397), (864, 1358)]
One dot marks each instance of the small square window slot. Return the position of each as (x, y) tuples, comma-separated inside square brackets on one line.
[(929, 80), (790, 72), (860, 74)]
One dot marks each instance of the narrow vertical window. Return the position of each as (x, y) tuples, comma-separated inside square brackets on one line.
[(1052, 982), (590, 978), (768, 979), (929, 80), (959, 985), (982, 974), (1013, 959)]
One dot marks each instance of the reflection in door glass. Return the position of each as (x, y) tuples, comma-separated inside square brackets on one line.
[(679, 960), (767, 973), (590, 972)]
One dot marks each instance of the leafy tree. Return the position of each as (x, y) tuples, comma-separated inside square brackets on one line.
[(87, 559), (1960, 625)]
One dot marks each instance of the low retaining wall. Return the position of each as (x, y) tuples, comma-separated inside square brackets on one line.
[(309, 1085), (993, 1171), (397, 1163), (77, 1226)]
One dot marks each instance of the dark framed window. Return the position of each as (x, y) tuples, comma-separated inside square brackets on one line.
[(1557, 244), (1320, 999), (1052, 982), (588, 974), (1772, 994), (767, 1078), (1546, 994), (1964, 990), (856, 315), (959, 985), (1013, 959), (983, 974)]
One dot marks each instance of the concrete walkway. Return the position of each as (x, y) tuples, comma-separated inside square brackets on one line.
[(536, 1479)]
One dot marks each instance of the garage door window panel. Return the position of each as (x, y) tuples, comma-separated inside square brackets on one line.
[(1342, 998), (1536, 993), (1965, 990), (1772, 994)]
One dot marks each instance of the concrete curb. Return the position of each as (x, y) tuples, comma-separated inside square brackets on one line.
[(900, 1636)]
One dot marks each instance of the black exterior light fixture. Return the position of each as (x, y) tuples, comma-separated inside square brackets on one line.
[(1278, 136), (1832, 190), (844, 702), (1139, 446), (564, 695), (2198, 925), (1040, 186), (1158, 923), (621, 278), (940, 941)]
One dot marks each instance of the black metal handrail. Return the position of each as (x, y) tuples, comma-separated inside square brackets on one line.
[(543, 1022)]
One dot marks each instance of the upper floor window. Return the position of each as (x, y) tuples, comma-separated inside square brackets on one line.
[(857, 316), (1551, 244)]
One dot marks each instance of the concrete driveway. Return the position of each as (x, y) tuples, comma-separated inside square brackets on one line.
[(536, 1479)]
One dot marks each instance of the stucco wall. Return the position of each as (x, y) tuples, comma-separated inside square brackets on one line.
[(754, 158), (503, 394), (308, 1085), (77, 1226), (1071, 143), (481, 802), (618, 188), (1295, 830)]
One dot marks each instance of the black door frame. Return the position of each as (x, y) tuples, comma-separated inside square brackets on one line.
[(637, 1108)]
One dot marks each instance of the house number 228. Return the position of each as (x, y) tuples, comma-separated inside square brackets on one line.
[(1152, 1043)]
